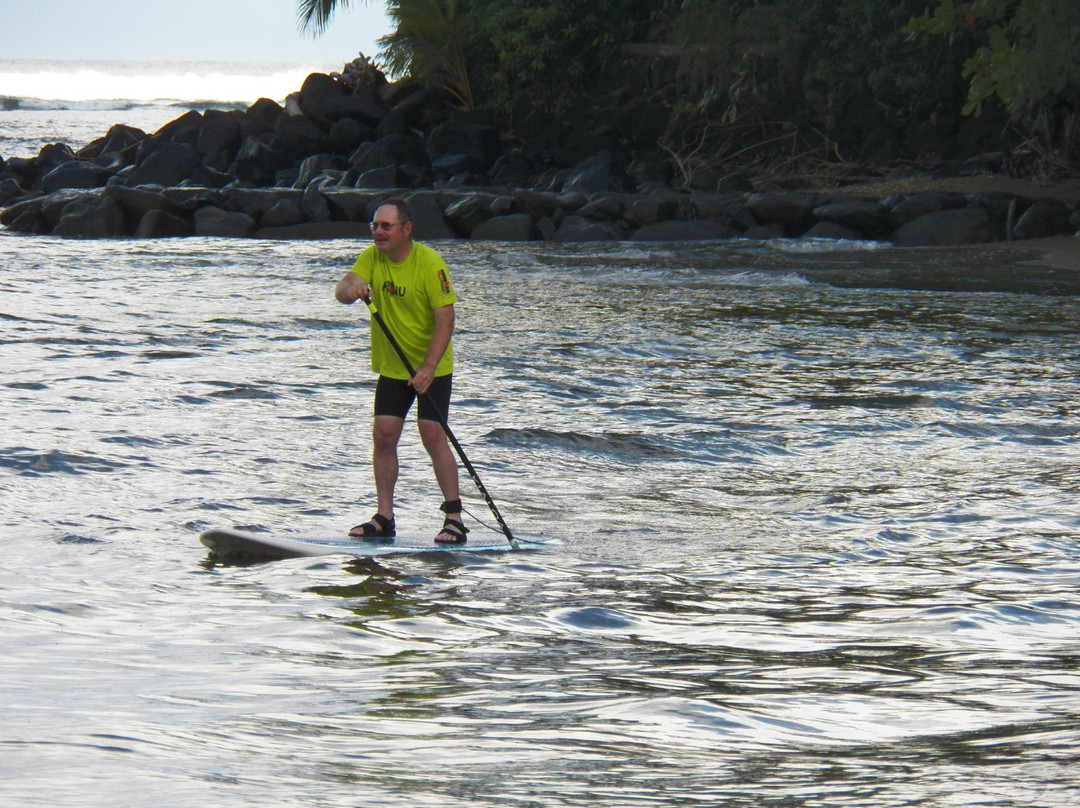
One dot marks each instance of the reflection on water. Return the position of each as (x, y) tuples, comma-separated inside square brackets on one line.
[(818, 544)]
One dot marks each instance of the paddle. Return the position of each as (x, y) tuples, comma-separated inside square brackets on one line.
[(442, 420)]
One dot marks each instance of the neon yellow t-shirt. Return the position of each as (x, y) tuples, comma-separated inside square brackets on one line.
[(406, 296)]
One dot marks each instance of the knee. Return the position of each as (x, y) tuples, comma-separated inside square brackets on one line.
[(432, 434)]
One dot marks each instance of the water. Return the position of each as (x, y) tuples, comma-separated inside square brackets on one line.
[(818, 544), (75, 102)]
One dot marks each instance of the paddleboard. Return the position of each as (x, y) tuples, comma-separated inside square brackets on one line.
[(232, 543)]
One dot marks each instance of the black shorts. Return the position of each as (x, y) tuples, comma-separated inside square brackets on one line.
[(395, 397)]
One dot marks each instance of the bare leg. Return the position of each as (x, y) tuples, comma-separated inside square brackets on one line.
[(386, 434), (442, 461)]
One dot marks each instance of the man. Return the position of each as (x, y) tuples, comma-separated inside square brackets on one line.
[(410, 286)]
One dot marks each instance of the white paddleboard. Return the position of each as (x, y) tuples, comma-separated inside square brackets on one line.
[(233, 543)]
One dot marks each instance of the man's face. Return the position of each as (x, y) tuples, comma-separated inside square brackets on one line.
[(390, 235)]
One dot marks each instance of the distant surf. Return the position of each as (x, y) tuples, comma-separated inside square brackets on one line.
[(77, 101), (118, 84)]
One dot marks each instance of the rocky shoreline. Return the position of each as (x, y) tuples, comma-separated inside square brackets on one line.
[(316, 167)]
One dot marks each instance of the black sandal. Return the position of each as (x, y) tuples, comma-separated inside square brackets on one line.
[(377, 527), (453, 532)]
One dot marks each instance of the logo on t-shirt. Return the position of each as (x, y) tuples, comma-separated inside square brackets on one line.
[(444, 281), (391, 289)]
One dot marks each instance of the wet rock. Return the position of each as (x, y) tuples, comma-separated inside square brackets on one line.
[(116, 143), (468, 213), (596, 174), (159, 224), (857, 215), (219, 133), (475, 141), (75, 174), (354, 231), (168, 164), (512, 227), (578, 228), (283, 213), (137, 202), (794, 212), (96, 217), (256, 162), (428, 220), (1045, 218), (947, 227), (682, 230), (213, 221), (912, 207), (9, 190), (834, 230)]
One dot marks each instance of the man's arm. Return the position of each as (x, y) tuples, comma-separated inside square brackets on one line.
[(351, 288), (440, 341)]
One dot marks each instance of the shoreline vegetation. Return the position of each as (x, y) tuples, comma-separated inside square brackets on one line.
[(316, 166)]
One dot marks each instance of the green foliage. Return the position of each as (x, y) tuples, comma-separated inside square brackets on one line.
[(428, 43), (315, 15), (546, 54), (1028, 52)]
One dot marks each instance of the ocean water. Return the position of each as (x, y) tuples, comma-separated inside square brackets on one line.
[(75, 102), (817, 545)]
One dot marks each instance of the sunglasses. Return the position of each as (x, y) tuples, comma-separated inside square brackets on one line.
[(388, 226)]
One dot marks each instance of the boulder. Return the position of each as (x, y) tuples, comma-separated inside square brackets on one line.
[(596, 174), (99, 217), (1045, 218), (10, 189), (297, 138), (916, 205), (29, 220), (793, 211), (513, 227), (184, 129), (390, 150), (24, 171), (947, 227), (476, 141), (316, 91), (578, 228), (513, 170), (385, 177), (169, 164), (468, 213), (52, 155), (283, 213), (352, 205), (606, 208), (75, 174), (682, 230), (860, 215), (260, 118), (213, 221), (256, 162), (159, 224), (219, 133), (834, 230), (313, 205), (316, 165), (256, 202), (347, 134), (354, 231), (428, 220), (137, 202), (538, 204), (116, 141)]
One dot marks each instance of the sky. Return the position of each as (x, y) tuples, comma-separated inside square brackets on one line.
[(195, 30)]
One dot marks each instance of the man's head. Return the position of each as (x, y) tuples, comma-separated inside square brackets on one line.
[(391, 228)]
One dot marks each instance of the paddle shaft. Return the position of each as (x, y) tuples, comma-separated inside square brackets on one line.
[(442, 420)]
